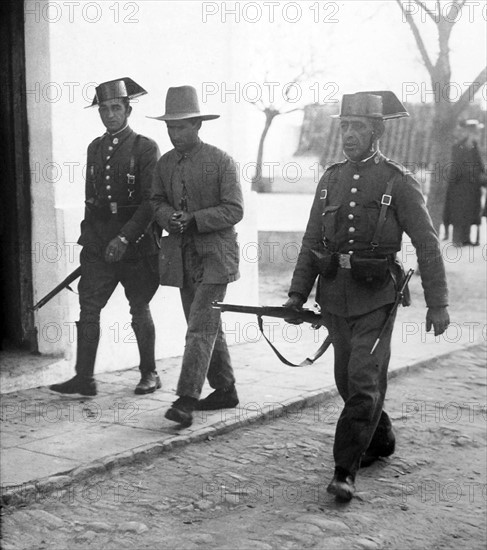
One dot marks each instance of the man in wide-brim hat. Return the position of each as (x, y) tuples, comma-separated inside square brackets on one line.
[(116, 236), (197, 199), (361, 208)]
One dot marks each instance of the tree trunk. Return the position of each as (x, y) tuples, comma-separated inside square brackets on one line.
[(257, 181)]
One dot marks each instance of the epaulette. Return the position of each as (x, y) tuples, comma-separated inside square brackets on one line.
[(336, 165), (398, 166), (96, 141)]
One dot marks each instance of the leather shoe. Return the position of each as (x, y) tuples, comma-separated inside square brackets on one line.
[(181, 411), (219, 399), (76, 384), (149, 383), (342, 485)]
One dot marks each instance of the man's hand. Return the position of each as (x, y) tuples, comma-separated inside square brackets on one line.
[(115, 250), (180, 221), (295, 302), (438, 318)]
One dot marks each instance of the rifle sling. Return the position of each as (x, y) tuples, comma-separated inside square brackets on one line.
[(308, 361)]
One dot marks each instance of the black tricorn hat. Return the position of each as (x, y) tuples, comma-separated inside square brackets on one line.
[(113, 89), (378, 104)]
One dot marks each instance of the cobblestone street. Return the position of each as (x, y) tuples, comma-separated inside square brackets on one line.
[(264, 486)]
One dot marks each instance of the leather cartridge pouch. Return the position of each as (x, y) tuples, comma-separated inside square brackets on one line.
[(326, 263), (369, 271)]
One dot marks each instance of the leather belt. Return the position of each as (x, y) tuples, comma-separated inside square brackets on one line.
[(344, 261)]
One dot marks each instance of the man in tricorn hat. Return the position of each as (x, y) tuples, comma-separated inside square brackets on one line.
[(198, 200), (116, 236), (361, 208)]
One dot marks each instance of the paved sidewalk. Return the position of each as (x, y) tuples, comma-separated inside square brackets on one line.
[(48, 439)]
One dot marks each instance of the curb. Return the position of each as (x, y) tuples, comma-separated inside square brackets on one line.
[(27, 493)]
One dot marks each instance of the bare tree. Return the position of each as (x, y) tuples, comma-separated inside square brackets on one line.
[(446, 112), (271, 111)]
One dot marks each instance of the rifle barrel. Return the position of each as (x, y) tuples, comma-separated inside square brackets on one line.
[(69, 279), (306, 315)]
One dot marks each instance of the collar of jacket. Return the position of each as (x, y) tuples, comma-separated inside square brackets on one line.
[(374, 158), (120, 135), (191, 153)]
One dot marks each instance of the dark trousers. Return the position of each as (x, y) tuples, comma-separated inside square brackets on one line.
[(361, 380), (206, 353), (97, 283)]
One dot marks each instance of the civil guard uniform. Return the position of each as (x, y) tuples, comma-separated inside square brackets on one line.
[(357, 219), (118, 180)]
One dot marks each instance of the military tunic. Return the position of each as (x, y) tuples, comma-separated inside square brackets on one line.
[(343, 220)]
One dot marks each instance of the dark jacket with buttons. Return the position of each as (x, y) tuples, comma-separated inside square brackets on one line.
[(114, 205), (343, 219)]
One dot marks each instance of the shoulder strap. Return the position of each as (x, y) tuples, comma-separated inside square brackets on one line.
[(131, 173), (385, 203)]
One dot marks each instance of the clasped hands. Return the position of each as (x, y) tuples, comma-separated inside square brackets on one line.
[(180, 221)]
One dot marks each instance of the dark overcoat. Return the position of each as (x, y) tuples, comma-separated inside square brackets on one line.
[(463, 196)]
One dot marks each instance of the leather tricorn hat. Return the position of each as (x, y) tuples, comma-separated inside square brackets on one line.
[(377, 104), (182, 103), (121, 87)]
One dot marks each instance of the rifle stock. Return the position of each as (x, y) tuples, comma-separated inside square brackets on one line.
[(305, 315), (69, 279)]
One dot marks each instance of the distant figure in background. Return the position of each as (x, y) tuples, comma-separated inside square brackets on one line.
[(463, 196)]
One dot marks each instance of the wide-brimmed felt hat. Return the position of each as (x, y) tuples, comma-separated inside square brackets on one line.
[(381, 104), (182, 103), (114, 89)]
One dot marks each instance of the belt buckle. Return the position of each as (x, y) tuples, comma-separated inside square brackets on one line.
[(344, 261)]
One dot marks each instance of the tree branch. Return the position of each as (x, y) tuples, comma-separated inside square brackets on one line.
[(426, 10), (418, 38), (470, 92), (451, 16), (292, 110)]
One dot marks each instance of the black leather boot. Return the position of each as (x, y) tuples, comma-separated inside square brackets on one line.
[(83, 383), (342, 485), (146, 338), (149, 382)]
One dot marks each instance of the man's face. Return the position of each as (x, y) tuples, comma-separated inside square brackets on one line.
[(183, 133), (114, 114), (357, 136), (472, 134)]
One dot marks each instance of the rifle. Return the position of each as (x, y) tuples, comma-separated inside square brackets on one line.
[(305, 315), (398, 300), (65, 284)]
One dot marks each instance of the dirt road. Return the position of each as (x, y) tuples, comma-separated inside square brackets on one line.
[(263, 487)]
